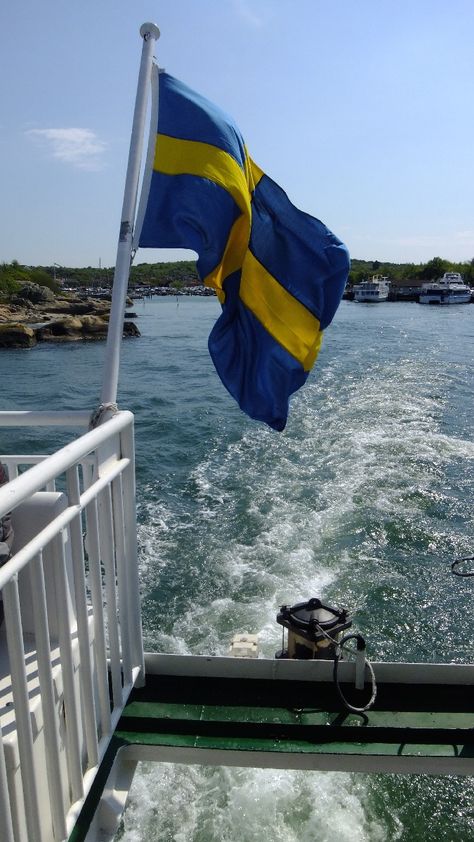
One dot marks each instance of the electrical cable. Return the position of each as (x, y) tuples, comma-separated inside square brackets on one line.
[(373, 696), (339, 648), (459, 561)]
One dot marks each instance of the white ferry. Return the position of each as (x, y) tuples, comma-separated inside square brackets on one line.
[(81, 702), (376, 289), (450, 289)]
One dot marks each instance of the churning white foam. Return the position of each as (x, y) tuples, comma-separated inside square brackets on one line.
[(244, 805)]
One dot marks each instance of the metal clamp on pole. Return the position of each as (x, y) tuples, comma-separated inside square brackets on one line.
[(360, 663)]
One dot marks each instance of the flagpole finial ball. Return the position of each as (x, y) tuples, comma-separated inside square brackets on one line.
[(149, 30)]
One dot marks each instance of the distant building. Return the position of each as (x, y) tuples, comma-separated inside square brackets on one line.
[(405, 289)]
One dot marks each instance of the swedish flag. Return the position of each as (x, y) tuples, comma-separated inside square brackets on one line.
[(278, 272)]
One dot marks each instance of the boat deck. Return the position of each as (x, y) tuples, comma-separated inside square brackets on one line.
[(271, 716), (299, 717)]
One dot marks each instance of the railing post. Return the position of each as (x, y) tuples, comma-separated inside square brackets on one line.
[(131, 551), (22, 709), (124, 611), (89, 716), (6, 826), (95, 584), (51, 739), (108, 560), (65, 626)]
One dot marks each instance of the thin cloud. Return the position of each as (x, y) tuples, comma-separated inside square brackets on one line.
[(465, 235), (247, 13), (79, 147)]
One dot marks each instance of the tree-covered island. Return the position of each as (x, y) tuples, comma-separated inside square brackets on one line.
[(59, 303)]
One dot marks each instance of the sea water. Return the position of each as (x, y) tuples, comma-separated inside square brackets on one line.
[(364, 500)]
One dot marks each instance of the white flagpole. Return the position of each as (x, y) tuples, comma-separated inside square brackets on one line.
[(150, 33)]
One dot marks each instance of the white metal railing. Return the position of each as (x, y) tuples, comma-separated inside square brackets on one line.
[(71, 645)]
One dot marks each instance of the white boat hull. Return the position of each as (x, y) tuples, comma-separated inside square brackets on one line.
[(439, 298), (370, 299), (450, 289)]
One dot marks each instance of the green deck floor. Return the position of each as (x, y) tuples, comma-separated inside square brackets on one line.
[(288, 718), (296, 717)]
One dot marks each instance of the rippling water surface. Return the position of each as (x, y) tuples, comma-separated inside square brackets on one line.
[(365, 499)]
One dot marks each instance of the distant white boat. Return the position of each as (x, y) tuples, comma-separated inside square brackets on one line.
[(450, 289), (376, 289)]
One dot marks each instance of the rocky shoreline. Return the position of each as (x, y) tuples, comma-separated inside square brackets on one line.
[(35, 315)]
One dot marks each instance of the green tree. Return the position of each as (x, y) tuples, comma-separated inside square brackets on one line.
[(467, 271), (41, 277), (434, 269), (177, 284), (11, 278)]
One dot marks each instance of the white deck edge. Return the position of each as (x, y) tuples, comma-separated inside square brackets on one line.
[(268, 668)]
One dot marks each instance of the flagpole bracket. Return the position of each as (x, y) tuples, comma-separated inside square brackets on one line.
[(103, 412)]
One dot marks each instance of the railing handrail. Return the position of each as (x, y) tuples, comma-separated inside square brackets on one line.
[(36, 544), (36, 477), (43, 418)]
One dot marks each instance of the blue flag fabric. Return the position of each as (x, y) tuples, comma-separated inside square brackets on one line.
[(278, 272)]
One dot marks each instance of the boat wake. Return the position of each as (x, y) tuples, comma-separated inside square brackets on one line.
[(364, 500), (241, 805)]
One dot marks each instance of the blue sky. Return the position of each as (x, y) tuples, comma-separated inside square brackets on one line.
[(361, 110)]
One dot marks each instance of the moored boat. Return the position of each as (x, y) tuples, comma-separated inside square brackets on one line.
[(376, 289), (450, 289)]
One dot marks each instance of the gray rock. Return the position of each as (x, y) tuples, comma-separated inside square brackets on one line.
[(15, 335), (34, 293)]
